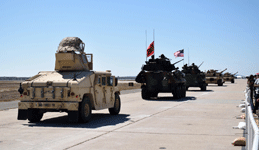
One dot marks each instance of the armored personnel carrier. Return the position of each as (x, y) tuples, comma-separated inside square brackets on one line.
[(215, 77), (73, 87), (194, 77), (159, 75), (229, 77)]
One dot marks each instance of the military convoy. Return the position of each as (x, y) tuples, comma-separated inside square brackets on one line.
[(159, 75), (194, 77), (73, 87), (229, 77), (215, 77)]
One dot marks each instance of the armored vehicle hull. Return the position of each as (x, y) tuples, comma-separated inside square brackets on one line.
[(72, 88), (214, 77), (157, 77), (229, 77), (196, 80), (194, 77)]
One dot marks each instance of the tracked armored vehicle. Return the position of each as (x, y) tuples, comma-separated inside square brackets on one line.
[(215, 77), (159, 75), (73, 87), (229, 77), (194, 77)]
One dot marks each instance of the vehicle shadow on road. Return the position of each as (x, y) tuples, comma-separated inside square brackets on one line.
[(97, 120), (167, 98), (199, 91), (217, 85)]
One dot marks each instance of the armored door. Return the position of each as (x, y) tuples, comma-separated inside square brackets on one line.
[(99, 91)]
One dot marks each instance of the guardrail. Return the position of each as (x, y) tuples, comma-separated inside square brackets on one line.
[(252, 133)]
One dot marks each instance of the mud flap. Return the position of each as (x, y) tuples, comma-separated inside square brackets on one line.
[(22, 114), (73, 116)]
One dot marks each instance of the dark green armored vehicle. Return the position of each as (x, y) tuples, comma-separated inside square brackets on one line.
[(194, 77), (159, 75)]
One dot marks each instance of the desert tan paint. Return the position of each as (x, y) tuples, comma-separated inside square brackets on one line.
[(53, 89)]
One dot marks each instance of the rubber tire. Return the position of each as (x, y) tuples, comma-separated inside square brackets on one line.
[(145, 94), (117, 105), (232, 81), (203, 88), (184, 91), (177, 93), (220, 83), (154, 94), (34, 115), (85, 110)]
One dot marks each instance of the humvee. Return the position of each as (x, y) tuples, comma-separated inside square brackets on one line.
[(73, 87)]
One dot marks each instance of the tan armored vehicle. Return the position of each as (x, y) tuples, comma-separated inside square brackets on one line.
[(73, 87), (215, 77), (229, 77)]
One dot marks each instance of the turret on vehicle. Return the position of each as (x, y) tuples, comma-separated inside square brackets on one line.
[(194, 77), (215, 77), (159, 75), (229, 77)]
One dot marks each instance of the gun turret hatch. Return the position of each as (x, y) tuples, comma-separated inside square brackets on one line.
[(70, 56)]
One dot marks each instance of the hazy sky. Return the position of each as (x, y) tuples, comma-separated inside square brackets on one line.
[(222, 33)]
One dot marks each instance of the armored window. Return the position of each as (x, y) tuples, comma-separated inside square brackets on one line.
[(89, 58), (99, 80), (103, 81), (109, 81), (84, 58)]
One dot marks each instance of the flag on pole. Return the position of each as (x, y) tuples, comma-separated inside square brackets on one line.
[(179, 53), (150, 49)]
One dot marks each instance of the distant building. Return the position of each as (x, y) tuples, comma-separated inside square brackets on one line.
[(13, 78)]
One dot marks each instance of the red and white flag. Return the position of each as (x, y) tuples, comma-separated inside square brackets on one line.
[(179, 53), (150, 49)]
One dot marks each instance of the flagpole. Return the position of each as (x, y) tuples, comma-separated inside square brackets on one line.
[(183, 57), (146, 46), (188, 56), (154, 41)]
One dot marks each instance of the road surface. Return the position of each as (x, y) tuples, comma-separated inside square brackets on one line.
[(201, 121)]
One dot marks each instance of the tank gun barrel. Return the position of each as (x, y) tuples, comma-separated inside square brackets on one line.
[(235, 73), (201, 64), (177, 62), (223, 70)]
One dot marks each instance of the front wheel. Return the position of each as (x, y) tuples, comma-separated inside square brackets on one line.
[(232, 81), (145, 94), (34, 115), (117, 105), (203, 87), (85, 110), (220, 83)]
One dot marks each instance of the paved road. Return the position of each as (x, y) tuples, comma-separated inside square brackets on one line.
[(202, 120), (14, 104)]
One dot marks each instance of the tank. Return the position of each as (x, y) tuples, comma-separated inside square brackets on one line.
[(73, 87), (194, 77), (229, 77), (158, 76), (215, 77)]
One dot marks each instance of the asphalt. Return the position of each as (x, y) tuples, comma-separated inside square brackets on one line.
[(202, 120)]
